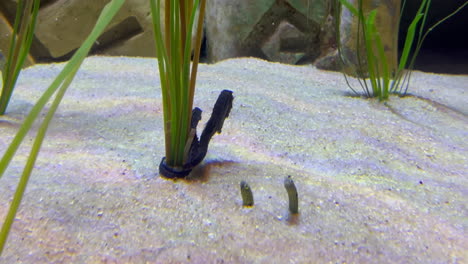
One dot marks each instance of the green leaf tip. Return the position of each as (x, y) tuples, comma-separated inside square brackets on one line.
[(246, 193), (292, 194)]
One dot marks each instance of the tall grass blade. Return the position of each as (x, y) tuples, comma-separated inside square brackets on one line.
[(384, 82), (161, 53), (30, 164), (372, 63), (62, 81), (409, 41), (421, 39), (20, 43), (176, 76)]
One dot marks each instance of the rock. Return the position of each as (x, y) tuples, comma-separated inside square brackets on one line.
[(289, 31), (6, 30), (330, 62), (377, 183), (283, 31), (63, 25)]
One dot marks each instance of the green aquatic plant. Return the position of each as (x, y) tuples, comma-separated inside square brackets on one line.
[(178, 73), (58, 87), (375, 76), (21, 39), (403, 84), (174, 50)]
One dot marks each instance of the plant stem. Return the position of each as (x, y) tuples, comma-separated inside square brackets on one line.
[(21, 39), (176, 76), (62, 81)]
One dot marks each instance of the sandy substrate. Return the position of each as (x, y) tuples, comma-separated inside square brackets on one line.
[(377, 183)]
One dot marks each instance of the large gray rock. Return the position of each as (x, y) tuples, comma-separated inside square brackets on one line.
[(6, 30), (63, 25), (285, 31), (377, 183)]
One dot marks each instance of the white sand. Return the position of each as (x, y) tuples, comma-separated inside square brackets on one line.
[(377, 183)]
